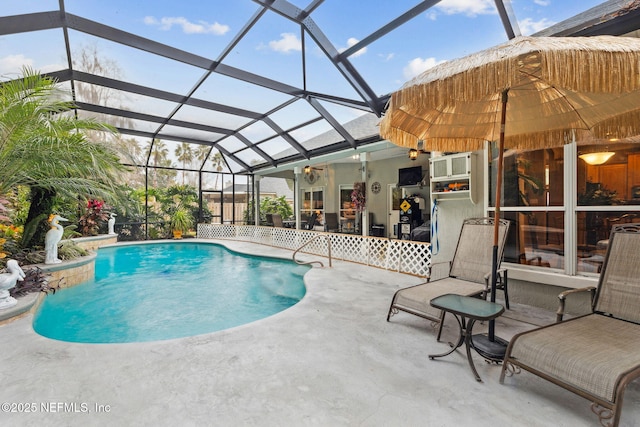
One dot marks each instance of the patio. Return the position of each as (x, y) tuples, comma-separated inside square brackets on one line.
[(330, 360)]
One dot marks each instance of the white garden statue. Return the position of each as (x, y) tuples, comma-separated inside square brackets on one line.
[(52, 239), (8, 281), (112, 222)]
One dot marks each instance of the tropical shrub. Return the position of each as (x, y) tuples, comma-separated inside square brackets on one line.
[(94, 217), (277, 205), (48, 151)]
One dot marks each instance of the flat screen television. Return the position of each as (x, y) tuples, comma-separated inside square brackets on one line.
[(409, 176)]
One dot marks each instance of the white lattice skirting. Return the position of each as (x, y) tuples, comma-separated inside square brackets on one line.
[(402, 256)]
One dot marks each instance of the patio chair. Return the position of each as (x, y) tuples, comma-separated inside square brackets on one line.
[(269, 220), (331, 222), (277, 220), (598, 354), (311, 222), (469, 272)]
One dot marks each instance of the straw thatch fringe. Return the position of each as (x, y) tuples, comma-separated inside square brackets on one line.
[(600, 72), (521, 142), (603, 65), (603, 56)]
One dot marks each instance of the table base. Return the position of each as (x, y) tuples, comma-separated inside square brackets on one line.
[(465, 338), (490, 350)]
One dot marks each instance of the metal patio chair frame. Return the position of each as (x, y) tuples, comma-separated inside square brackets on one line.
[(469, 272), (595, 355)]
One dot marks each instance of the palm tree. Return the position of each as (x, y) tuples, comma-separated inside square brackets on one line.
[(202, 152), (159, 155), (46, 150), (184, 153), (218, 162)]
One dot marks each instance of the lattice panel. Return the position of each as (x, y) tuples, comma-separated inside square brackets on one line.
[(378, 250), (397, 255), (263, 235), (337, 245), (217, 232), (354, 249), (286, 238), (393, 255), (415, 258), (205, 232), (319, 247), (245, 232)]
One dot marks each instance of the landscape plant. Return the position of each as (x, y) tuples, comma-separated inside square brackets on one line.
[(268, 205), (45, 149), (95, 216)]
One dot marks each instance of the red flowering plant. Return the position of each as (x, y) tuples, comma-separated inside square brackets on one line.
[(95, 215), (359, 196)]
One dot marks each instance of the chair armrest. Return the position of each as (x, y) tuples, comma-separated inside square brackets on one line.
[(438, 266), (498, 271), (500, 278), (563, 296)]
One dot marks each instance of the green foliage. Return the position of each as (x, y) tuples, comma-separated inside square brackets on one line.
[(520, 184), (597, 194), (20, 205), (31, 228), (70, 250), (269, 205), (277, 205), (70, 232), (131, 214), (47, 151), (154, 233), (181, 220)]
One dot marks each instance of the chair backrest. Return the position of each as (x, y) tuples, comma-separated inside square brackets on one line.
[(331, 221), (277, 220), (618, 293), (312, 221), (474, 253)]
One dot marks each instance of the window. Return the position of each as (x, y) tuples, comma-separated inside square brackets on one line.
[(347, 209), (313, 201), (532, 199), (606, 192)]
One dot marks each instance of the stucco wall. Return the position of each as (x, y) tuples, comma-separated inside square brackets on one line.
[(546, 296), (383, 171), (451, 214)]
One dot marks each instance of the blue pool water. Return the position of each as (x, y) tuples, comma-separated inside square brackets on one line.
[(162, 291)]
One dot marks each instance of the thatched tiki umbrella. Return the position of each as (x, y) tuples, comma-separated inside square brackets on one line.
[(529, 93)]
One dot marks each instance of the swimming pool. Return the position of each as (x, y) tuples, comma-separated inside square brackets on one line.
[(159, 291)]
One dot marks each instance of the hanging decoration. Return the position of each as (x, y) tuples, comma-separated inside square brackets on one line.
[(359, 196)]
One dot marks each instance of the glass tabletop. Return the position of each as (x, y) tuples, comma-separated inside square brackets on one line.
[(468, 306)]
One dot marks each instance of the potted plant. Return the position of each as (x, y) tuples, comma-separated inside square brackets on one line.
[(181, 221)]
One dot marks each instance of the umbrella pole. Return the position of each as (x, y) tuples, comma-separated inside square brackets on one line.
[(488, 345), (496, 226)]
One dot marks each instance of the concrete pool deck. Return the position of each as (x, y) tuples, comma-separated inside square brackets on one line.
[(331, 360)]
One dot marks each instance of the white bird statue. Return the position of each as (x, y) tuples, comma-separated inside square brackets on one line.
[(8, 281), (112, 222), (52, 238)]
